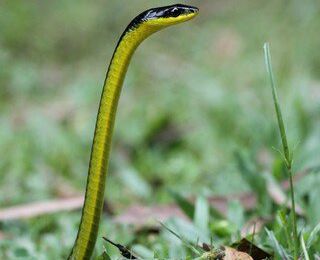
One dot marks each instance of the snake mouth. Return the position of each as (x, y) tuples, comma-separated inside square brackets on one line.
[(188, 9)]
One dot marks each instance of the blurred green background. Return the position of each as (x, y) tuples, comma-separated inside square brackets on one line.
[(195, 95)]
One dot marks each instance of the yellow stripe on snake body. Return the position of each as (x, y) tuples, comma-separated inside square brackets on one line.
[(139, 29)]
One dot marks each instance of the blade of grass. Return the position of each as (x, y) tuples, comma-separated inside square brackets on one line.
[(313, 236), (103, 256), (276, 104), (285, 225), (185, 242), (187, 207), (276, 245), (252, 240), (304, 249), (288, 157), (202, 214)]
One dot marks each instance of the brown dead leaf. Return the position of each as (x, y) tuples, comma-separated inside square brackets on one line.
[(220, 203), (233, 254), (139, 215), (246, 246), (40, 208)]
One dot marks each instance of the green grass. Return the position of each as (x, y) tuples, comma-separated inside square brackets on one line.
[(203, 84), (287, 155)]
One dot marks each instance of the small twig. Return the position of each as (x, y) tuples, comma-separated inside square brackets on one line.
[(125, 252)]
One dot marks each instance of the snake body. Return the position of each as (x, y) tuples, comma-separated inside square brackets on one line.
[(139, 29)]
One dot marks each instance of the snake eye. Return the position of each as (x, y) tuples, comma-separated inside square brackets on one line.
[(175, 12)]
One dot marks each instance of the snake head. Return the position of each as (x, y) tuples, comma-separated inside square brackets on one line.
[(161, 17), (169, 15)]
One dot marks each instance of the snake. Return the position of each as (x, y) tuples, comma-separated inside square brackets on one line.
[(140, 28)]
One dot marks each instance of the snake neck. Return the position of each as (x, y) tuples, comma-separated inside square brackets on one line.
[(94, 196)]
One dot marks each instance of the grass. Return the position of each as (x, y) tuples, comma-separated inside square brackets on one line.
[(195, 118), (287, 154)]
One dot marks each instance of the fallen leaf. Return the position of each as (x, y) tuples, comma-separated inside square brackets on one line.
[(279, 197), (141, 216), (233, 254), (255, 252), (40, 208)]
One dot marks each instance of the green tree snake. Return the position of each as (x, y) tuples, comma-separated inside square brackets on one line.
[(140, 28)]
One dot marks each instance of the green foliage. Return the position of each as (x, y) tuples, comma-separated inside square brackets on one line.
[(195, 118), (103, 256), (184, 204)]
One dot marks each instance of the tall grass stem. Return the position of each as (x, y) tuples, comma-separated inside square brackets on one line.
[(287, 155)]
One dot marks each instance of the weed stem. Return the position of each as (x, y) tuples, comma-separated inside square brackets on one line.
[(287, 155)]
